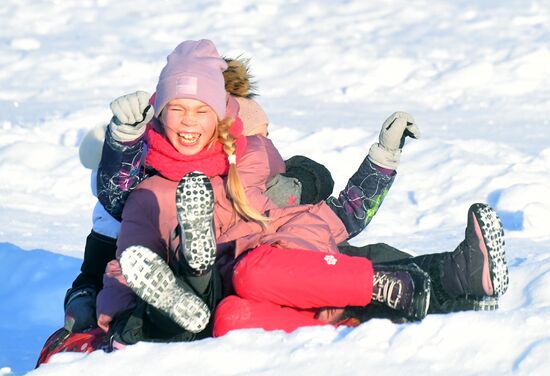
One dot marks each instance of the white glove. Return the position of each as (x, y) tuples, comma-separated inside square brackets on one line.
[(131, 113), (387, 151)]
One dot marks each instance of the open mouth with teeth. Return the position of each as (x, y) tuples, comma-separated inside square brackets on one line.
[(189, 138)]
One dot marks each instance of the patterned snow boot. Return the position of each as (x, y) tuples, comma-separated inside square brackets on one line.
[(64, 341), (477, 267), (195, 212), (439, 269), (403, 288), (153, 281)]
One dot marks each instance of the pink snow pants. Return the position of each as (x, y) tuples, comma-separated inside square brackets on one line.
[(285, 289)]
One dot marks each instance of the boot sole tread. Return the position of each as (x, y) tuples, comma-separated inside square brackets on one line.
[(493, 237), (195, 208), (154, 282)]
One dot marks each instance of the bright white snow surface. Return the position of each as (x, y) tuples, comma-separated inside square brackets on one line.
[(476, 75)]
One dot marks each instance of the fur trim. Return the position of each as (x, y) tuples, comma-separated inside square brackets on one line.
[(238, 80)]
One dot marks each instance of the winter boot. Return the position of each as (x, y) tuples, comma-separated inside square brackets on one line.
[(403, 288), (154, 282), (195, 212), (80, 309), (477, 267), (440, 301), (64, 341), (145, 323), (438, 267)]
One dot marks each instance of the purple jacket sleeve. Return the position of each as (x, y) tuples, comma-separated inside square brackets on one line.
[(138, 228), (140, 222), (116, 296), (120, 171), (357, 204)]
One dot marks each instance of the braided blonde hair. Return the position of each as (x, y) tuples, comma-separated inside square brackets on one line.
[(234, 184)]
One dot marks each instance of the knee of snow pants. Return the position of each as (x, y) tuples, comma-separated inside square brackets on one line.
[(303, 279), (99, 250), (237, 313)]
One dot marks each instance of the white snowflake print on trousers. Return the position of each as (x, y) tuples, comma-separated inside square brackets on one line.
[(331, 260)]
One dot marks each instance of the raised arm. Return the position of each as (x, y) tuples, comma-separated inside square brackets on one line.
[(121, 166), (357, 204)]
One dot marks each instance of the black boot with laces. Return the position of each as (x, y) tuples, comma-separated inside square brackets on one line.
[(403, 288)]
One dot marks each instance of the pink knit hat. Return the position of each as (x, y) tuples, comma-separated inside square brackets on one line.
[(254, 118), (193, 70)]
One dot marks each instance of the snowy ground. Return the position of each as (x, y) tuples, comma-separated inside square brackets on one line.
[(476, 75)]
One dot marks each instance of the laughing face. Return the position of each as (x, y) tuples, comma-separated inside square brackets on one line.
[(189, 124)]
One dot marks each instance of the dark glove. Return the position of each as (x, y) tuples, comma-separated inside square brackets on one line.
[(316, 180), (284, 191)]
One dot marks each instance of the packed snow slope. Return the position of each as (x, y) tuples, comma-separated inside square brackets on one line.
[(476, 76)]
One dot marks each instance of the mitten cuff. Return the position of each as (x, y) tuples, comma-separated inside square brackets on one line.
[(125, 132), (384, 157)]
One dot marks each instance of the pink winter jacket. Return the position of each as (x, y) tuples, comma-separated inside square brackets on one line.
[(149, 218)]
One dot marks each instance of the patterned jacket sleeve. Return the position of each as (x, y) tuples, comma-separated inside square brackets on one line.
[(357, 204), (120, 171)]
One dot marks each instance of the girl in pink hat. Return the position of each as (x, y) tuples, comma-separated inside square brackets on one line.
[(132, 115)]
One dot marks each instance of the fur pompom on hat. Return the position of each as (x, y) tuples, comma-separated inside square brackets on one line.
[(193, 70), (240, 83), (238, 79)]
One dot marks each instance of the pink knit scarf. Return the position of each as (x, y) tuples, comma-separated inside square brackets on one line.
[(173, 165)]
